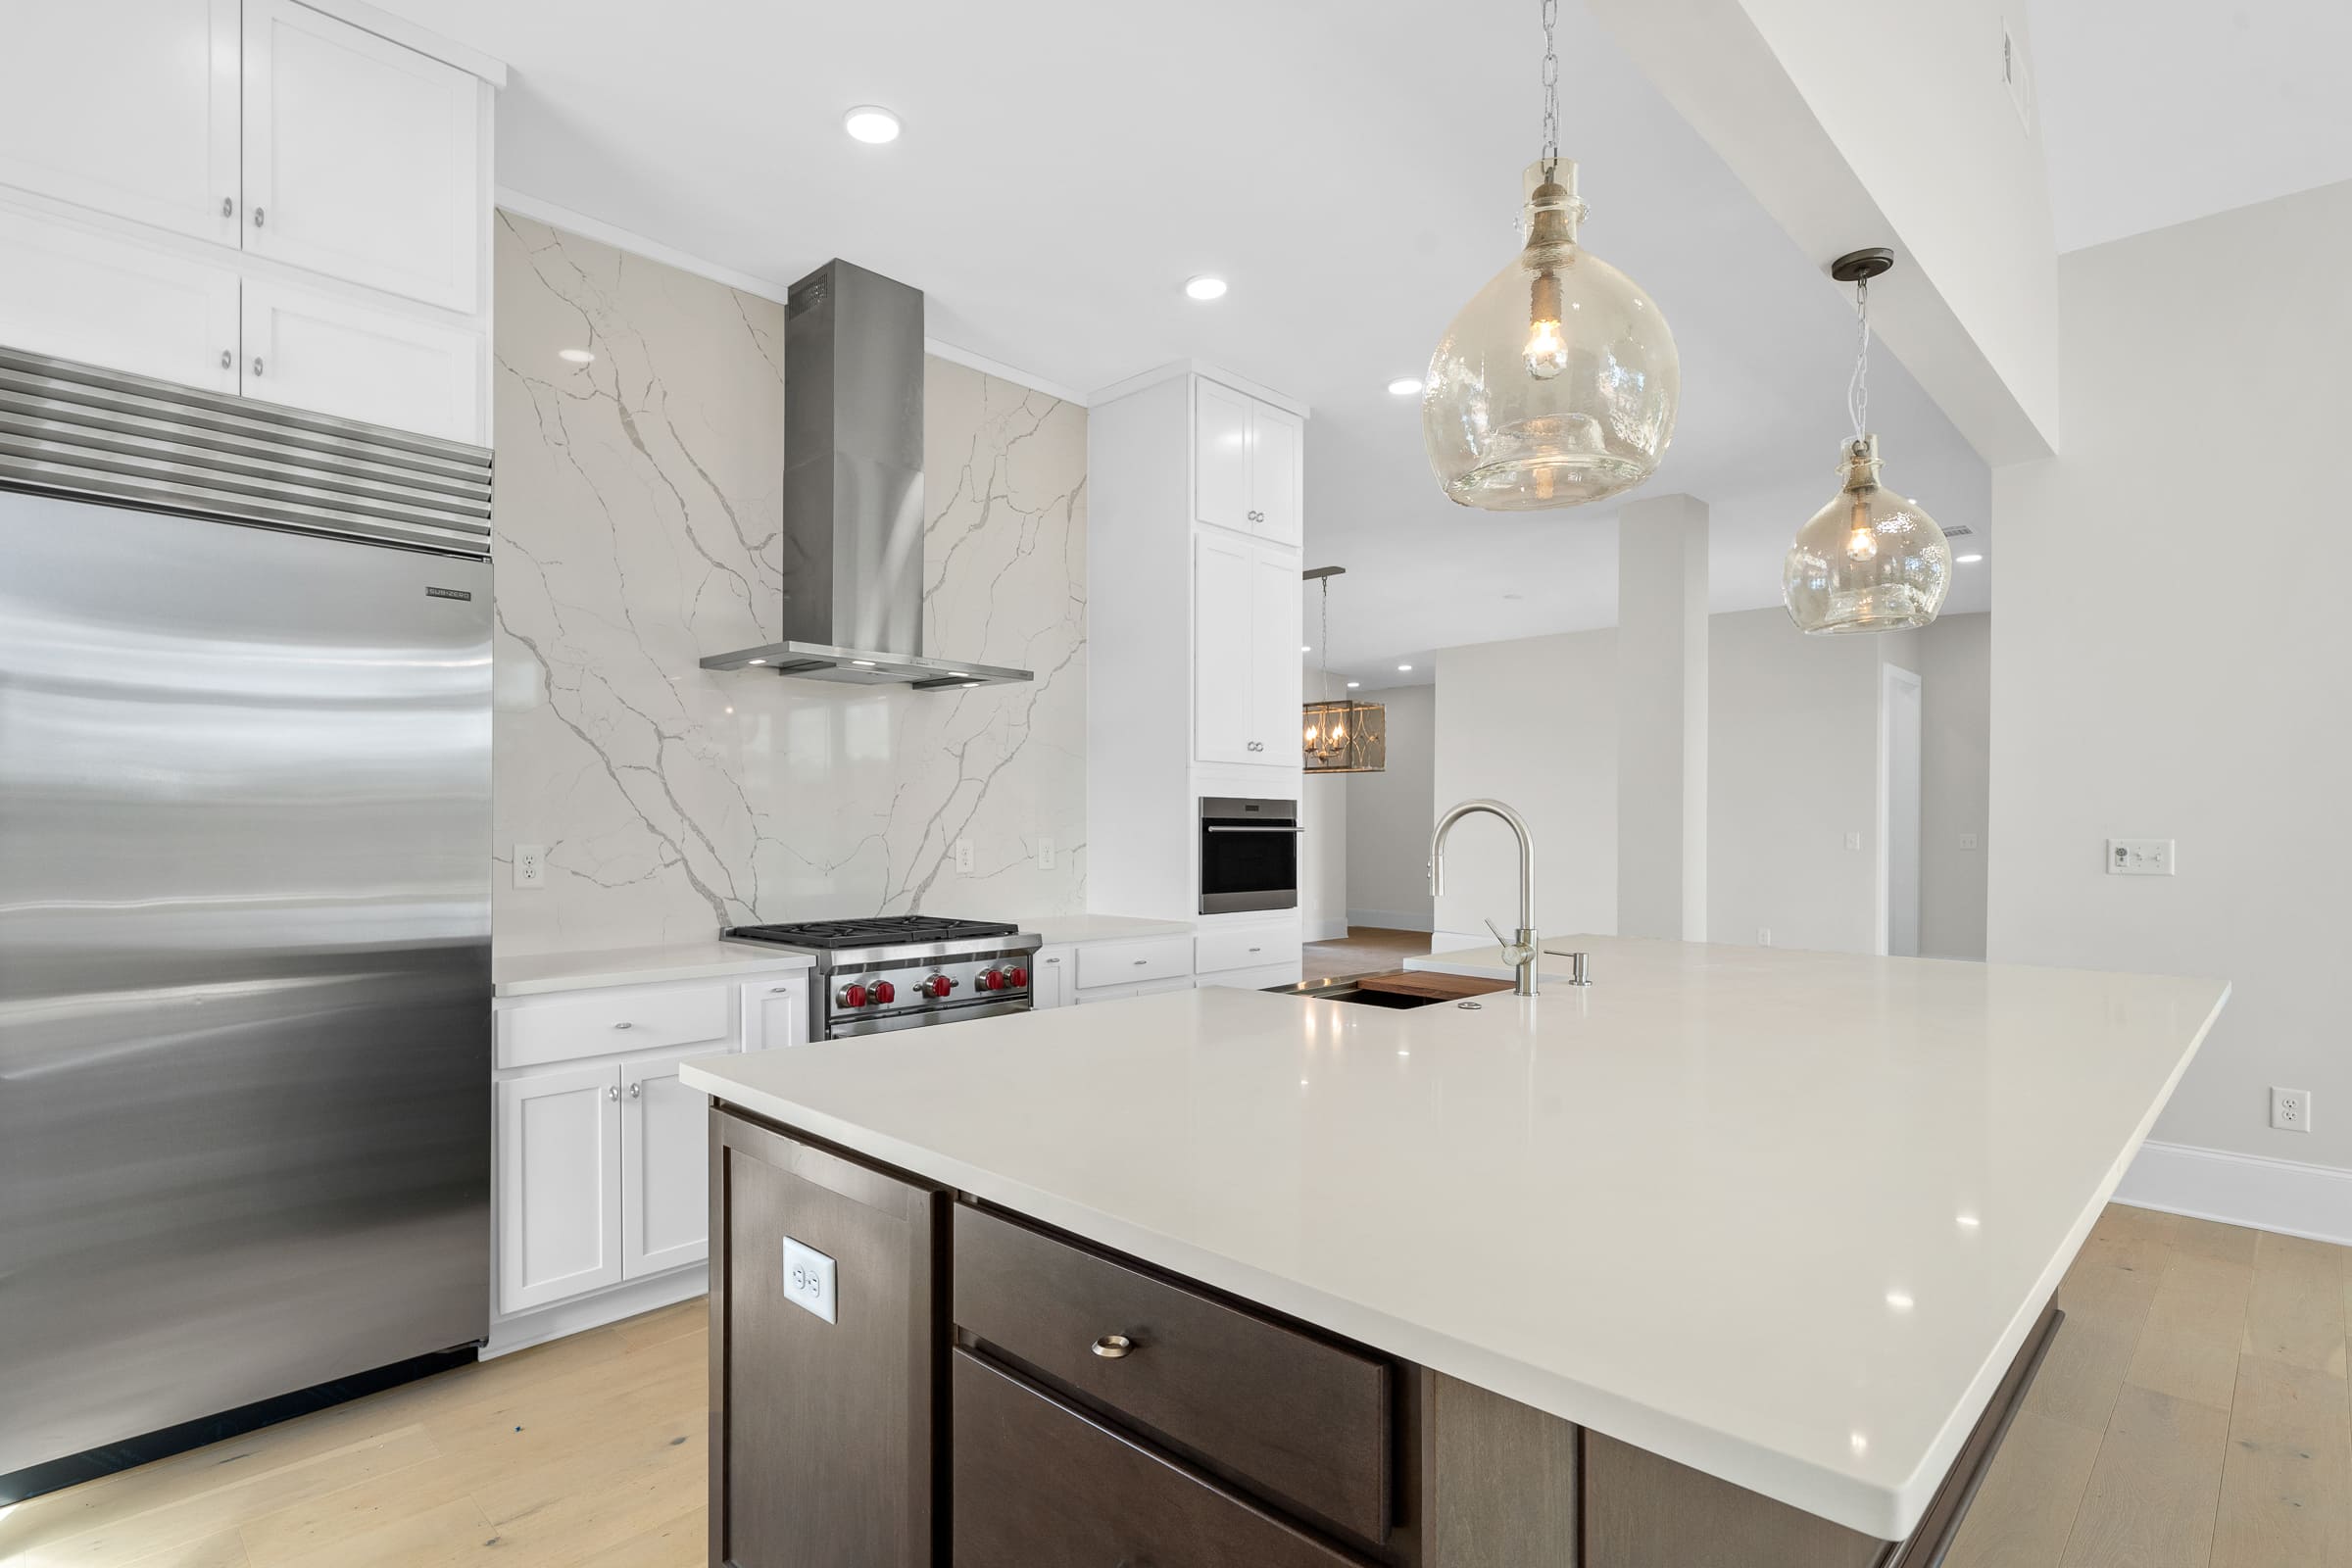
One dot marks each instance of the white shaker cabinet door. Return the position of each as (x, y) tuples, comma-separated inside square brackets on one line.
[(128, 107), (363, 159), (775, 1012), (559, 1185), (1277, 439), (333, 354), (1223, 720), (1275, 683), (1049, 983), (81, 294), (665, 1168), (1221, 456)]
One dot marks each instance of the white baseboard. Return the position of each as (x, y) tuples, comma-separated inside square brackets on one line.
[(584, 1313), (2265, 1195), (1389, 920)]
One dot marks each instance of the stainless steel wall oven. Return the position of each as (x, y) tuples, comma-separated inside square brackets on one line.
[(1248, 855)]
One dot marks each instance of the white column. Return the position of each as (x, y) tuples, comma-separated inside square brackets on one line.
[(1662, 718)]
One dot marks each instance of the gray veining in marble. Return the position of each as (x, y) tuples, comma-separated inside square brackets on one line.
[(638, 527)]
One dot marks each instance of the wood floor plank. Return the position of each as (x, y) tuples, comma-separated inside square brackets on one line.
[(2209, 1237), (2154, 1489), (2295, 1312), (2196, 1326), (2026, 1509), (450, 1533), (2286, 1485), (2083, 1369), (680, 1543)]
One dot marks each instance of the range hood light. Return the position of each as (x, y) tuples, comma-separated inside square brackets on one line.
[(862, 664)]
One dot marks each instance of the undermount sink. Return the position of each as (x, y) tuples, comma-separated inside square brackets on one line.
[(1352, 988)]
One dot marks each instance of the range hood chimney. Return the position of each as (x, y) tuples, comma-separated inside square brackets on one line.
[(853, 491)]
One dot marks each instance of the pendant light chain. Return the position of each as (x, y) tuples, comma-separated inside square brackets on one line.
[(1323, 644), (1552, 82), (1857, 391)]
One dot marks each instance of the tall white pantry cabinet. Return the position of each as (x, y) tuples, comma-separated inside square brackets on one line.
[(1196, 500), (281, 201)]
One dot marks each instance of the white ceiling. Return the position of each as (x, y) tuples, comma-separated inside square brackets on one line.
[(1351, 170), (2155, 112)]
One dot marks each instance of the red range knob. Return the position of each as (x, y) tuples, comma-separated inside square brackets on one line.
[(884, 992), (1016, 977), (939, 985), (990, 980), (853, 995)]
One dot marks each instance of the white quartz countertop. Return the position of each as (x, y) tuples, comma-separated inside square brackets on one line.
[(1786, 1217), (630, 967), (1060, 928)]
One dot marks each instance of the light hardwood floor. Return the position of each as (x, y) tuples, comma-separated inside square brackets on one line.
[(2193, 1412), (1365, 950)]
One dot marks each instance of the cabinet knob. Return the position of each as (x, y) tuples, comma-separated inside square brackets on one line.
[(612, 1092), (637, 1091), (227, 359), (1114, 1347), (228, 207), (257, 365), (257, 218)]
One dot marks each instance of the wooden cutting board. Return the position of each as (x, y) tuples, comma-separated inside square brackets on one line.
[(1426, 983)]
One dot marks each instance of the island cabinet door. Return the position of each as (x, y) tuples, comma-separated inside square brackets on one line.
[(1039, 1484), (825, 1337)]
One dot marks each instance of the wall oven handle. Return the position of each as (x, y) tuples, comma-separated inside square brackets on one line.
[(1250, 827)]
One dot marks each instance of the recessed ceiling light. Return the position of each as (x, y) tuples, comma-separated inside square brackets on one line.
[(1967, 560), (1405, 668), (871, 123), (576, 356), (1900, 1301), (1205, 287), (1404, 386)]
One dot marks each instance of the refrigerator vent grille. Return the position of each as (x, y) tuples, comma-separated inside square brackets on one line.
[(104, 435)]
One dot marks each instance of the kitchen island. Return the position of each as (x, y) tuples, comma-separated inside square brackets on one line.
[(1737, 1250)]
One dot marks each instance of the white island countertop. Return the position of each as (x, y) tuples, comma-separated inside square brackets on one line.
[(530, 975), (1785, 1217)]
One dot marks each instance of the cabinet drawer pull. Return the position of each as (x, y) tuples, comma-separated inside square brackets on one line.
[(1112, 1346), (624, 1024), (777, 991)]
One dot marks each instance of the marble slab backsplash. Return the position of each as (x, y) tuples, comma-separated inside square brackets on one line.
[(638, 521)]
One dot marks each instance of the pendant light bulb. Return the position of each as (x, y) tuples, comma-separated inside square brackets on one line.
[(1559, 382), (1870, 560)]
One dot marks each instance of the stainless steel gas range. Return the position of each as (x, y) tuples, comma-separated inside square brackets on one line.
[(905, 971)]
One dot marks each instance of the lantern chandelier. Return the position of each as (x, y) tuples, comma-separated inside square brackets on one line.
[(1341, 735), (1557, 383), (1870, 560)]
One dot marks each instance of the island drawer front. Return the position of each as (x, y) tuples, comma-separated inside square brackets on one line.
[(567, 1026), (1120, 963), (1038, 1485), (1303, 1420)]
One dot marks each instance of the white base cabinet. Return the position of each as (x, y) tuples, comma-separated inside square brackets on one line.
[(558, 1201), (775, 1012), (664, 1169)]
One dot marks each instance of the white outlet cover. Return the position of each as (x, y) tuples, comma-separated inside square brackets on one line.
[(2140, 858), (964, 854), (1853, 840), (530, 865), (809, 1280), (1044, 855), (1968, 841), (2290, 1109)]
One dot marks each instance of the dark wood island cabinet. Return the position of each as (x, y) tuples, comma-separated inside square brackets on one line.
[(904, 1377)]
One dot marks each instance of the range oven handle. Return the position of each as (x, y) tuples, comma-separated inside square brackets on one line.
[(1252, 827)]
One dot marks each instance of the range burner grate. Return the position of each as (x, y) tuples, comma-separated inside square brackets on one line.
[(872, 931)]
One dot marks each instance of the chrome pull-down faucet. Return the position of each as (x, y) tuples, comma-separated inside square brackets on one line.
[(1523, 950)]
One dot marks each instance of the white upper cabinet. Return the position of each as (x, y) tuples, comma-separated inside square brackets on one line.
[(1221, 456), (126, 107), (333, 354), (1277, 439), (84, 295), (363, 159)]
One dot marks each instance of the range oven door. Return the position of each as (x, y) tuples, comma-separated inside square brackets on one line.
[(1248, 855)]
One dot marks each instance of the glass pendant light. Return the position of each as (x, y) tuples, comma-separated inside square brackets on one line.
[(1341, 735), (1870, 560), (1557, 383)]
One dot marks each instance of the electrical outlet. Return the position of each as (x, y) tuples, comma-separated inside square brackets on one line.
[(1853, 840), (530, 865), (2290, 1109), (1763, 936), (964, 855), (1044, 855), (1968, 841), (2139, 858)]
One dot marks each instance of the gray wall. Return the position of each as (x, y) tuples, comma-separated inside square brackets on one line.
[(1954, 660), (1389, 818)]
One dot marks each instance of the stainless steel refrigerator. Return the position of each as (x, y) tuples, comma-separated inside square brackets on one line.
[(244, 905)]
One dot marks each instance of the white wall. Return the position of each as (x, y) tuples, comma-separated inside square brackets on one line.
[(1792, 771), (1323, 836), (1389, 818), (1953, 657), (1533, 723), (2175, 660)]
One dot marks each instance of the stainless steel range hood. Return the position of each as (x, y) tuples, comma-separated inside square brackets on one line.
[(853, 491)]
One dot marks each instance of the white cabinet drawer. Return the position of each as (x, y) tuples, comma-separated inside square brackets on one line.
[(1124, 964), (619, 1018), (1248, 948)]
